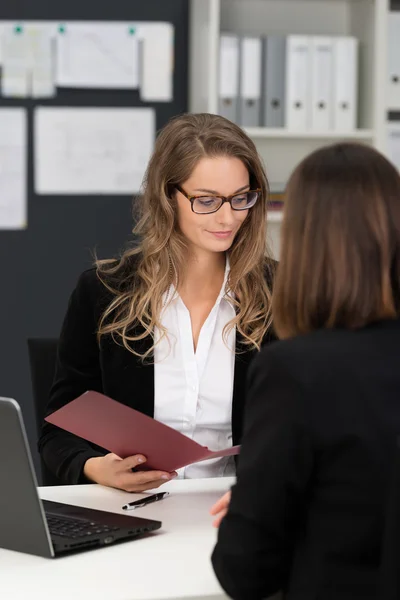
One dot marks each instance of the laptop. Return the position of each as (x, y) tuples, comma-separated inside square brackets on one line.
[(29, 524)]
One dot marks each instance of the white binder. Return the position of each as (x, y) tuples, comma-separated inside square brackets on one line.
[(250, 81), (345, 84), (298, 80), (393, 91), (321, 83), (228, 77), (393, 143)]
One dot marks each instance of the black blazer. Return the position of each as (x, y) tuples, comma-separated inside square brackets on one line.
[(110, 369), (307, 513)]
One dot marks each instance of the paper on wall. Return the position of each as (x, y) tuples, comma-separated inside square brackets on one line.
[(42, 62), (27, 54), (13, 152), (92, 150), (97, 55), (15, 62), (92, 54), (156, 61)]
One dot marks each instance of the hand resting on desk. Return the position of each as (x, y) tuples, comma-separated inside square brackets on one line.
[(113, 471), (220, 508)]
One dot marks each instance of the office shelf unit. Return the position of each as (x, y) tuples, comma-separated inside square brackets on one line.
[(281, 149)]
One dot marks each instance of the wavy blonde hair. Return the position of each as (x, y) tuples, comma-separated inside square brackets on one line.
[(139, 279)]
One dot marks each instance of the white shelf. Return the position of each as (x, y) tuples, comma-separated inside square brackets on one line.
[(282, 150), (275, 217), (265, 132)]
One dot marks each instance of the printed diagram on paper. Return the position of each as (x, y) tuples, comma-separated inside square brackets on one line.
[(92, 150)]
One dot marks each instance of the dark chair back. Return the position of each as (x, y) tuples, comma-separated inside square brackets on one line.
[(42, 359), (390, 567)]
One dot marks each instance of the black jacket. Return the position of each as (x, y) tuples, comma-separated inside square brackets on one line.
[(109, 368), (308, 509)]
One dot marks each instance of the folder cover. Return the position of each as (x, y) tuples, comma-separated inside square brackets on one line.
[(126, 431)]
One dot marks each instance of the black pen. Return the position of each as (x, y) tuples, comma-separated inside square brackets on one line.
[(145, 501)]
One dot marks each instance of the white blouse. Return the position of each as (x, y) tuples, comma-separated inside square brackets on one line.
[(193, 390)]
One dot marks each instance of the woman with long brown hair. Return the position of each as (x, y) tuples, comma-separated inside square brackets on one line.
[(307, 513), (169, 327)]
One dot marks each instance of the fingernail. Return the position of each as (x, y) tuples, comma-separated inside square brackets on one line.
[(140, 459), (165, 477)]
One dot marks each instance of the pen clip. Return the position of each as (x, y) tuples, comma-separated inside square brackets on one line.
[(138, 506)]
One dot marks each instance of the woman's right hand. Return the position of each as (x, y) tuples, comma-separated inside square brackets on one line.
[(113, 471)]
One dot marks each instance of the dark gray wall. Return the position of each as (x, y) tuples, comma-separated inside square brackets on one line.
[(39, 266)]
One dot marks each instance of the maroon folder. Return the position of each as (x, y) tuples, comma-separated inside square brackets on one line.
[(125, 431)]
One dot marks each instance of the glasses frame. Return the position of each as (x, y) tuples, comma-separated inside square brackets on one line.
[(222, 198)]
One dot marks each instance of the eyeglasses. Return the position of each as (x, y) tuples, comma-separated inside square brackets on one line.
[(204, 205)]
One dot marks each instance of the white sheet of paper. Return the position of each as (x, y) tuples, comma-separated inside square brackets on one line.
[(394, 144), (42, 63), (13, 153), (27, 54), (92, 150), (97, 55), (157, 61), (15, 62), (117, 55)]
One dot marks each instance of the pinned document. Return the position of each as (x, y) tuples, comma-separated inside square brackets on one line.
[(156, 61), (27, 53), (97, 55), (345, 84), (15, 62), (42, 62), (13, 159), (228, 77), (298, 76), (250, 81), (322, 49), (92, 150), (393, 80), (274, 61)]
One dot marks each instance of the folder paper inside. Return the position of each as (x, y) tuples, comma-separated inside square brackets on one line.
[(126, 431)]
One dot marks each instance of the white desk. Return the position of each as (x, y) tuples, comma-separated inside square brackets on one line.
[(172, 563)]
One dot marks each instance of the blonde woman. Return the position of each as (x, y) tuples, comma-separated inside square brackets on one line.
[(170, 327)]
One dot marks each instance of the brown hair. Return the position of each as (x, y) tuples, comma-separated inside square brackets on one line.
[(340, 256), (141, 276)]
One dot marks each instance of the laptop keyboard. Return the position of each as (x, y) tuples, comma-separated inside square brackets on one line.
[(76, 528)]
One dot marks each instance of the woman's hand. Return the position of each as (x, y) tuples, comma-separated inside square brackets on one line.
[(113, 471), (220, 508)]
